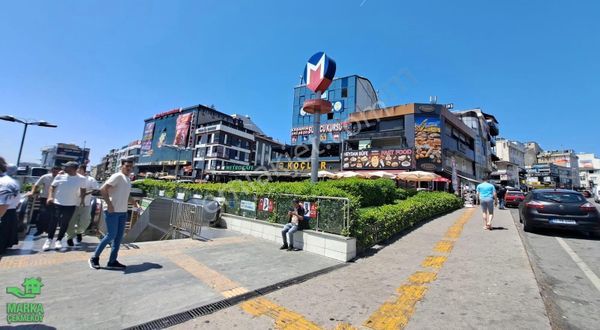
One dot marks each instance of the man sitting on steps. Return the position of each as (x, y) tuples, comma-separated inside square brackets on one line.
[(295, 216)]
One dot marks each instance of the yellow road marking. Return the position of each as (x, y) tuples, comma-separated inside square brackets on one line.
[(434, 261), (422, 277), (284, 318), (396, 314), (344, 326), (444, 246), (212, 278)]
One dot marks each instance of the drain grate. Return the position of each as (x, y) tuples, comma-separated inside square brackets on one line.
[(182, 317)]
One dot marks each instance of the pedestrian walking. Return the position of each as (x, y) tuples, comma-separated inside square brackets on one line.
[(9, 199), (66, 192), (501, 194), (82, 215), (115, 192), (486, 195), (40, 189), (295, 215)]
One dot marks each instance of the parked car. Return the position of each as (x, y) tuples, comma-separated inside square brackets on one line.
[(586, 194), (559, 208), (513, 198)]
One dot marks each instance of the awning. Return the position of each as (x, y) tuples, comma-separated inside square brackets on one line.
[(468, 179)]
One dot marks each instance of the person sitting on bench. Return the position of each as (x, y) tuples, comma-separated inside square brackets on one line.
[(295, 215)]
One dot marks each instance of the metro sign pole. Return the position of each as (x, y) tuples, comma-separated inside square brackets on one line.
[(318, 74)]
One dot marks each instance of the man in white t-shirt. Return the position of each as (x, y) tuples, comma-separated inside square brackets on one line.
[(42, 187), (9, 199), (115, 192), (66, 192), (82, 215)]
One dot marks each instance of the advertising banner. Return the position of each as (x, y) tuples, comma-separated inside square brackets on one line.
[(378, 159), (182, 129), (428, 142), (148, 134)]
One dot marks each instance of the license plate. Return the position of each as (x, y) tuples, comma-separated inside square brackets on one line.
[(563, 222)]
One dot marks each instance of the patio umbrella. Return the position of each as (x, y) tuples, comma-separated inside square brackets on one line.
[(383, 174), (326, 174), (346, 174), (417, 176)]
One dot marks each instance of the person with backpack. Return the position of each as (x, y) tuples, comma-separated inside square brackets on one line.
[(501, 194)]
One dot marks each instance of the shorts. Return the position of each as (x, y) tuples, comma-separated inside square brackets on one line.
[(487, 205)]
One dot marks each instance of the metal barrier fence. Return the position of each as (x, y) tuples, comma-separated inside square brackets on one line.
[(186, 220)]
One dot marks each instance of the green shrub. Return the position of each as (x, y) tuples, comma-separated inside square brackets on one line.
[(376, 224)]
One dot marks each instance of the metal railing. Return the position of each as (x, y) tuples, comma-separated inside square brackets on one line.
[(186, 220)]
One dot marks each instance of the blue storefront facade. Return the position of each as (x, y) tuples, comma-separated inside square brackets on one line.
[(347, 95)]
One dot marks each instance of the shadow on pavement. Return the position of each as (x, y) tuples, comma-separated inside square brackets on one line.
[(572, 234), (499, 228), (132, 269)]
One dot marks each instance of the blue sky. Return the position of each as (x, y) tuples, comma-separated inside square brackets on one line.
[(99, 68)]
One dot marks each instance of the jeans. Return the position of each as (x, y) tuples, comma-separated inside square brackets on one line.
[(501, 203), (115, 224), (290, 229), (62, 217)]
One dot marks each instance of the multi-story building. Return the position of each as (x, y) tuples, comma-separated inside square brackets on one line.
[(589, 170), (412, 136), (563, 158), (232, 144), (486, 129), (168, 140), (549, 176), (63, 152), (511, 166), (532, 150), (108, 165), (348, 95)]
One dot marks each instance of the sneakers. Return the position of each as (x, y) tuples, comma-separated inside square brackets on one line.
[(58, 245), (79, 239), (290, 248), (283, 247), (70, 242), (94, 263), (46, 246), (115, 265)]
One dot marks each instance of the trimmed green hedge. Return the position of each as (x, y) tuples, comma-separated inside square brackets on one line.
[(376, 224), (378, 210)]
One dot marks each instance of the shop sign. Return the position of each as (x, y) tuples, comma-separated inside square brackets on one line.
[(324, 128), (167, 113), (238, 168), (298, 166), (248, 205), (378, 159)]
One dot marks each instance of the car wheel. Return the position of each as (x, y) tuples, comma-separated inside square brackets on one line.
[(527, 227)]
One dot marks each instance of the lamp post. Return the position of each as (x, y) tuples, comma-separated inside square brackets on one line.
[(179, 150), (25, 123)]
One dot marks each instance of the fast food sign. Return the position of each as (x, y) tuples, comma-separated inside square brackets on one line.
[(378, 159)]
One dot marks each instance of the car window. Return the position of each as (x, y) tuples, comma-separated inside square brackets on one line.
[(560, 197)]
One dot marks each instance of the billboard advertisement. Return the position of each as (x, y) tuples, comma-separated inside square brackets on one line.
[(148, 134), (428, 142), (389, 159), (182, 129)]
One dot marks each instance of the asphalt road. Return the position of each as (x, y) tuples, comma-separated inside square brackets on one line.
[(567, 268)]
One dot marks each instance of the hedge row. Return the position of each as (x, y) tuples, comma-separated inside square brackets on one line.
[(375, 224), (365, 193)]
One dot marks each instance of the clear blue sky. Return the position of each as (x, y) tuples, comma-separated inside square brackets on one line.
[(99, 68)]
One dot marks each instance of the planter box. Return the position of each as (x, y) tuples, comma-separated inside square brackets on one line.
[(325, 244)]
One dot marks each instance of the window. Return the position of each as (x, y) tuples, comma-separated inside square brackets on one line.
[(330, 116), (390, 125), (344, 91)]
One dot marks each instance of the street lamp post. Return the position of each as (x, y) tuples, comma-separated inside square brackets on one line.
[(179, 150), (25, 123)]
